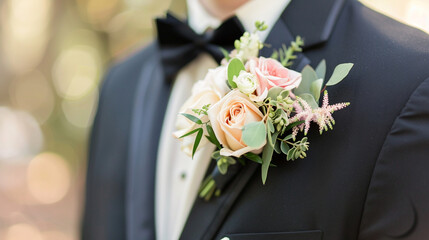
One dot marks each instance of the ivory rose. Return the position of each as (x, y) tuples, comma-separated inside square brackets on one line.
[(228, 117), (271, 73), (207, 91)]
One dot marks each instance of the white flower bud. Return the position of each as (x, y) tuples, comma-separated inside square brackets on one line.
[(246, 82), (248, 46)]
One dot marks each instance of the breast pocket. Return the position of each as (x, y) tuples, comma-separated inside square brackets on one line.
[(301, 235)]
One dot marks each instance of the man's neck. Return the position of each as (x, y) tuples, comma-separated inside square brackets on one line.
[(222, 9)]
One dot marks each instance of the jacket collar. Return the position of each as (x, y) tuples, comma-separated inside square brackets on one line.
[(313, 20)]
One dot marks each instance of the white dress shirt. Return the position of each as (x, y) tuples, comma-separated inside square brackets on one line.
[(178, 177)]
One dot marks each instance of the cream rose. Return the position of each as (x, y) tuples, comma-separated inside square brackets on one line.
[(228, 117), (207, 91)]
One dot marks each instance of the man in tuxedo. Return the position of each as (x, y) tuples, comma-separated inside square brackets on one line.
[(367, 179)]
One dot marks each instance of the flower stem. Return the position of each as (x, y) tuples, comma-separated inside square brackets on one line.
[(208, 188)]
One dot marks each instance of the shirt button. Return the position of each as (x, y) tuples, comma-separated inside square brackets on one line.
[(183, 175)]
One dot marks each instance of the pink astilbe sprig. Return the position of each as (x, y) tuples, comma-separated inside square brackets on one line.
[(322, 116)]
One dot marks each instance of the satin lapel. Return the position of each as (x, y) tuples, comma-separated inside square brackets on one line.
[(150, 104), (206, 217), (279, 35)]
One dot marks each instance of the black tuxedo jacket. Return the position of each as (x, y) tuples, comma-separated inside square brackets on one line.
[(367, 179)]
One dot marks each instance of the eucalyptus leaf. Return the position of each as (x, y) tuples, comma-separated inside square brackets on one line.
[(271, 140), (288, 137), (274, 92), (267, 156), (297, 154), (315, 89), (254, 134), (253, 157), (290, 126), (340, 72), (284, 93), (308, 77), (290, 154), (270, 125), (321, 69), (310, 100), (231, 160), (192, 118), (284, 147), (197, 141), (277, 147), (216, 155), (222, 166), (235, 66)]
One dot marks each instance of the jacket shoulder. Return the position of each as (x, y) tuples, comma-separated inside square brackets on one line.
[(393, 32), (126, 72)]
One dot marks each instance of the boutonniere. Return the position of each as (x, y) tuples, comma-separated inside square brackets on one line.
[(251, 107)]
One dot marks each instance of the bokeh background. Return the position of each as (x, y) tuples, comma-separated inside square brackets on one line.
[(53, 54)]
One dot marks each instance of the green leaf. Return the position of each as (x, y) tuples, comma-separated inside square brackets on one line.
[(315, 89), (253, 157), (254, 134), (190, 133), (284, 147), (270, 125), (275, 55), (308, 77), (231, 160), (297, 154), (290, 154), (241, 161), (277, 147), (211, 140), (225, 53), (271, 140), (197, 141), (310, 100), (340, 72), (290, 126), (321, 69), (206, 186), (288, 137), (267, 156), (212, 136), (222, 165), (284, 93), (216, 155), (235, 66), (192, 118), (274, 92)]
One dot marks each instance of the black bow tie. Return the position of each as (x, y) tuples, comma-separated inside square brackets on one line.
[(179, 44)]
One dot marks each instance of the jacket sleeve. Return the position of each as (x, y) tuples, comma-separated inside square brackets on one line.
[(397, 201), (103, 207)]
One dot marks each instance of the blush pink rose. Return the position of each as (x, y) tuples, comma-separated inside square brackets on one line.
[(271, 73)]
